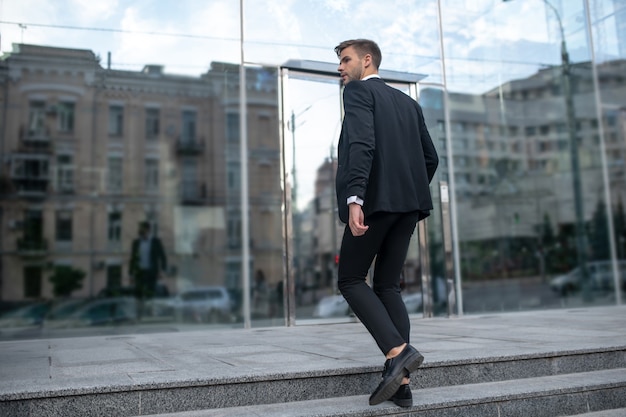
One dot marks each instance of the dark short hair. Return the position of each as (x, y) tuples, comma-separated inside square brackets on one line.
[(362, 47)]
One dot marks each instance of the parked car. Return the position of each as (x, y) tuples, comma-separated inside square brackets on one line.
[(600, 278), (28, 315), (203, 304), (62, 309), (99, 312), (332, 306)]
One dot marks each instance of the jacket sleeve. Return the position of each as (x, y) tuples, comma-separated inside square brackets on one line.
[(430, 153), (359, 132)]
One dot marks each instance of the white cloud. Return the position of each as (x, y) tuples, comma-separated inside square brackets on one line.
[(89, 11)]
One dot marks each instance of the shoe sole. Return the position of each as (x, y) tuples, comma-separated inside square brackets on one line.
[(403, 403), (413, 362)]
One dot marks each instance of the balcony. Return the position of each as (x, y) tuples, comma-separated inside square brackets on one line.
[(30, 175), (32, 247), (31, 188), (35, 140), (189, 146)]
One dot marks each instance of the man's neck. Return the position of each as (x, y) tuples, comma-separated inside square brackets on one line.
[(372, 75)]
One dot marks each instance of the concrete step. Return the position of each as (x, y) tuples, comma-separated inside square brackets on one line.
[(344, 389), (621, 412), (604, 392)]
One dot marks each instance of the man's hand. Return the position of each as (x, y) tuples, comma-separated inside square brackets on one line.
[(355, 222)]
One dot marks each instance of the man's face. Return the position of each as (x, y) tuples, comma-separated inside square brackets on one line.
[(351, 67)]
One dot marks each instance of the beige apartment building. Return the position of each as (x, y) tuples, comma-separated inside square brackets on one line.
[(88, 152)]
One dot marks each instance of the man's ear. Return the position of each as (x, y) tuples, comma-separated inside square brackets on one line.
[(367, 60)]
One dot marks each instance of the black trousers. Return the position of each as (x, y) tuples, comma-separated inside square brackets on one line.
[(379, 307)]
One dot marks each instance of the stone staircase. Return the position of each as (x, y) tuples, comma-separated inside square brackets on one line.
[(535, 364), (548, 384), (587, 383)]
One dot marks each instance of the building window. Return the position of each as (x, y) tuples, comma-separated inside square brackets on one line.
[(189, 126), (116, 120), (65, 114), (232, 128), (64, 226), (234, 231), (190, 188), (115, 227), (114, 276), (115, 174), (234, 175), (32, 281), (36, 117), (152, 124), (151, 174), (65, 173)]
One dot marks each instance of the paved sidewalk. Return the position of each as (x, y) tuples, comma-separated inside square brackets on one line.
[(34, 368)]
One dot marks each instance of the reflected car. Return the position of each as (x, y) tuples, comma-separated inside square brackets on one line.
[(600, 278), (332, 306), (413, 302), (63, 309), (210, 304), (29, 315), (99, 312)]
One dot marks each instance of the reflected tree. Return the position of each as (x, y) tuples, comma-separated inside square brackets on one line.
[(619, 223), (600, 233), (66, 280)]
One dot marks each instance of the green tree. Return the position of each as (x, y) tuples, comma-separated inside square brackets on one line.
[(619, 223), (66, 280), (600, 233)]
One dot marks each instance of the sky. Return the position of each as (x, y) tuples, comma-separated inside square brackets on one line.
[(486, 42)]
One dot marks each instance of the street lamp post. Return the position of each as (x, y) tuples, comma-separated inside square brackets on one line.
[(573, 148), (294, 197)]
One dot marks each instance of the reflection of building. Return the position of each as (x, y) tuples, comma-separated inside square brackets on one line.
[(328, 229), (512, 161), (89, 152)]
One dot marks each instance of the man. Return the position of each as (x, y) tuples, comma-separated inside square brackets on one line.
[(386, 160), (146, 261)]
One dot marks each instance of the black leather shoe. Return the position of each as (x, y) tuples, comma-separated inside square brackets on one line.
[(396, 368), (403, 397)]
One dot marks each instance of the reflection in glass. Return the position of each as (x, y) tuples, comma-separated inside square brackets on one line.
[(94, 143)]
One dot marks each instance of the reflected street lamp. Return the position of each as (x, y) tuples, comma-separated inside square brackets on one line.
[(294, 195), (573, 147)]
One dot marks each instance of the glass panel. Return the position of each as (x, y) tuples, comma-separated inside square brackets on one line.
[(537, 184), (527, 164), (313, 114)]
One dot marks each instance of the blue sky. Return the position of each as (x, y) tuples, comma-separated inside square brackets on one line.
[(484, 39)]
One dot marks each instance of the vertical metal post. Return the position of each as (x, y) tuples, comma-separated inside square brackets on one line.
[(243, 156), (289, 290), (605, 173), (451, 174), (446, 234), (427, 288)]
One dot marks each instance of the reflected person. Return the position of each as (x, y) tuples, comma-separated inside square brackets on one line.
[(147, 260), (386, 160)]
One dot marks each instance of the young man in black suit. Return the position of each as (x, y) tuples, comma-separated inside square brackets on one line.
[(386, 160), (147, 260)]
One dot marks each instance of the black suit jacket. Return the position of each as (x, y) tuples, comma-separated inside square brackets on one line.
[(385, 153), (158, 260)]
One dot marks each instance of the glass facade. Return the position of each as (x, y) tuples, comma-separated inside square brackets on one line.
[(216, 124)]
